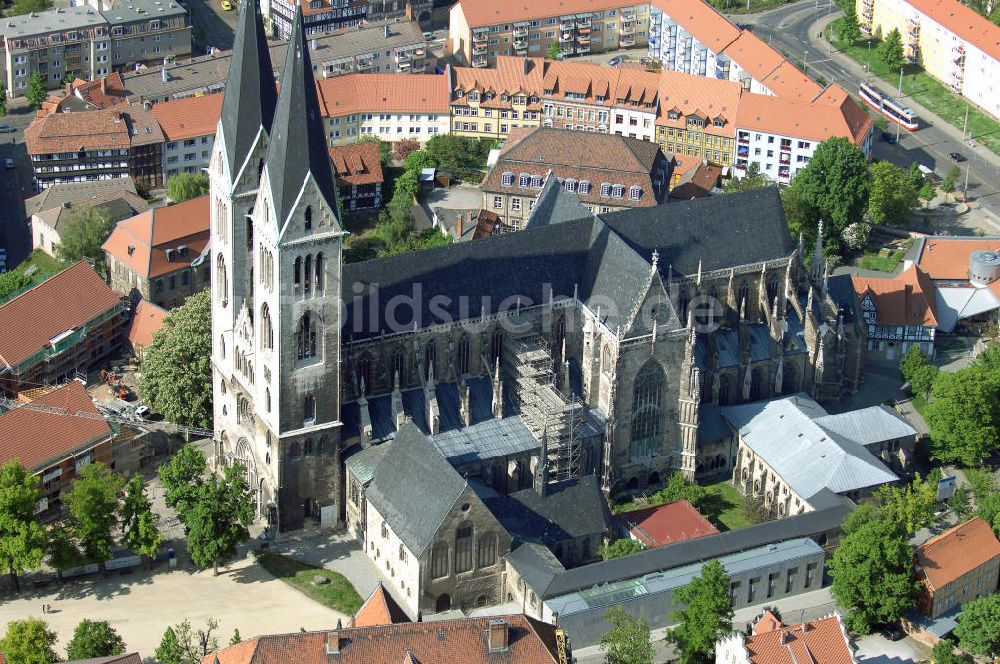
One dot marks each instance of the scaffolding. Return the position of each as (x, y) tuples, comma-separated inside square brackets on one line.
[(551, 416)]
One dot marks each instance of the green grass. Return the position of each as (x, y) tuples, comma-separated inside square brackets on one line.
[(47, 266), (873, 261), (339, 594), (724, 507), (740, 6), (919, 86)]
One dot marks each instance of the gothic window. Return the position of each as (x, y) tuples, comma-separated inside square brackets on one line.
[(487, 554), (260, 169), (249, 232), (320, 276), (789, 379), (266, 328), (365, 372), (297, 276), (307, 277), (267, 399), (683, 302), (221, 280), (560, 336), (430, 357), (756, 384), (439, 561), (606, 361), (723, 390), (308, 218), (244, 457), (463, 548), (324, 445), (496, 345), (744, 298), (647, 396), (222, 347), (310, 328), (463, 354), (399, 366), (294, 451), (307, 447), (772, 290), (243, 411), (309, 409)]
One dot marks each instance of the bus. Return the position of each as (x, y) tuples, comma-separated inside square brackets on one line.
[(889, 107)]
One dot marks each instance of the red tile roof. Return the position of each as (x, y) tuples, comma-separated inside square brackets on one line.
[(142, 241), (146, 322), (908, 299), (948, 258), (788, 82), (39, 439), (66, 301), (379, 609), (479, 13), (753, 55), (82, 130), (507, 77), (384, 93), (822, 641), (708, 98), (956, 552), (357, 163), (666, 524), (103, 93), (461, 641), (832, 114), (189, 117), (964, 22), (705, 24)]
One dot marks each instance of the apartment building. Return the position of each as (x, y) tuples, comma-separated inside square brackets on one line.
[(482, 30), (54, 43), (953, 43), (322, 16), (689, 36), (587, 97), (144, 31), (957, 566), (388, 106), (607, 173), (188, 127), (369, 48), (780, 135), (490, 103)]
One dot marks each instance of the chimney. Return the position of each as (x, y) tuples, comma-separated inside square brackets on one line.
[(148, 105), (165, 75), (314, 44), (104, 85), (499, 633), (527, 65), (806, 626), (459, 225), (408, 11), (385, 31), (333, 641), (69, 89)]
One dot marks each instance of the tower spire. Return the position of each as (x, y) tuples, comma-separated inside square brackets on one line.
[(248, 107), (298, 152)]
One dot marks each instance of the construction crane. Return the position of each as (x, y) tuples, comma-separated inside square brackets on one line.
[(561, 645), (168, 427)]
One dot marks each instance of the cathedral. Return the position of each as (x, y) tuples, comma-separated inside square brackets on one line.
[(582, 345)]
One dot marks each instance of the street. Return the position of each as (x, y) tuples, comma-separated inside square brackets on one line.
[(15, 184), (793, 30), (213, 27)]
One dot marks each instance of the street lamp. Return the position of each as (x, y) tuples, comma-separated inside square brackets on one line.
[(805, 57), (869, 56)]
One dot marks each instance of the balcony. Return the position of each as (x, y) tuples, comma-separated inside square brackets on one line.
[(520, 42), (478, 37), (743, 150), (520, 30), (627, 29), (403, 56), (364, 62), (583, 21), (479, 60), (583, 39), (583, 48), (567, 24), (785, 159), (566, 36), (479, 49), (403, 66), (627, 40)]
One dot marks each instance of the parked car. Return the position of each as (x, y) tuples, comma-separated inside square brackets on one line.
[(615, 61), (888, 137), (428, 36), (957, 157), (6, 129), (892, 632)]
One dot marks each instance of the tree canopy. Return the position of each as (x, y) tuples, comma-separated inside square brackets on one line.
[(182, 477), (978, 628), (621, 547), (21, 7), (890, 51), (894, 194), (384, 148), (138, 522), (964, 415), (850, 31), (183, 186), (94, 638), (753, 179), (219, 518), (83, 235), (12, 282), (679, 487), (911, 506), (29, 641), (628, 640), (36, 93), (706, 617), (22, 538), (93, 506), (873, 574), (177, 372)]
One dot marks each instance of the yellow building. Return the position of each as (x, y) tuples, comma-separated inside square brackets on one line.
[(490, 103)]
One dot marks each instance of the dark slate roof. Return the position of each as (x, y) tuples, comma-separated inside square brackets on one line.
[(711, 425), (362, 461), (414, 488), (841, 291), (535, 564), (607, 256), (664, 558), (569, 509), (251, 96), (555, 205), (298, 140)]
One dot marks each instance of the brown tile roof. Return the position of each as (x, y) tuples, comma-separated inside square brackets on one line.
[(753, 55), (948, 258), (146, 322), (788, 82), (144, 127), (822, 641), (508, 77), (697, 182), (104, 92), (708, 98), (62, 197), (705, 24), (357, 164), (582, 156), (68, 300), (479, 13), (964, 22), (379, 609), (666, 524), (39, 439), (489, 223), (830, 115), (908, 299), (190, 117), (84, 130), (142, 241), (956, 552), (384, 93), (437, 642)]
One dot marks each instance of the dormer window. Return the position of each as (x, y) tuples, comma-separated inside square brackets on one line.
[(634, 193), (584, 187), (536, 182), (570, 185), (459, 93), (618, 191), (719, 122), (523, 179), (605, 189), (673, 115), (507, 179)]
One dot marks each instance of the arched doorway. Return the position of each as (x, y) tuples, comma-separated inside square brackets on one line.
[(632, 484), (443, 602), (243, 455), (654, 478)]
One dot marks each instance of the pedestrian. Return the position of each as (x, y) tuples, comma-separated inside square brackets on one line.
[(43, 609)]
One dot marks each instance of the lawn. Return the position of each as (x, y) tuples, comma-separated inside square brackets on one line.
[(876, 261), (38, 266), (723, 507), (923, 89), (339, 594)]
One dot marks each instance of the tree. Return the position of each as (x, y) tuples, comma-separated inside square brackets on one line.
[(873, 575), (961, 503), (3, 100), (417, 161), (384, 148), (851, 31), (950, 180), (628, 641), (463, 156), (94, 638), (890, 51), (219, 519), (27, 7), (93, 505), (679, 487), (944, 653), (706, 617), (923, 379), (177, 372), (182, 478), (181, 644), (911, 506), (138, 523), (893, 196), (12, 282), (978, 628), (753, 510), (22, 538), (753, 179), (403, 148), (552, 51), (856, 235), (927, 192), (235, 638), (963, 415), (834, 185), (621, 547), (864, 513), (170, 650), (62, 551), (184, 186), (29, 641), (83, 236), (36, 93), (911, 362)]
